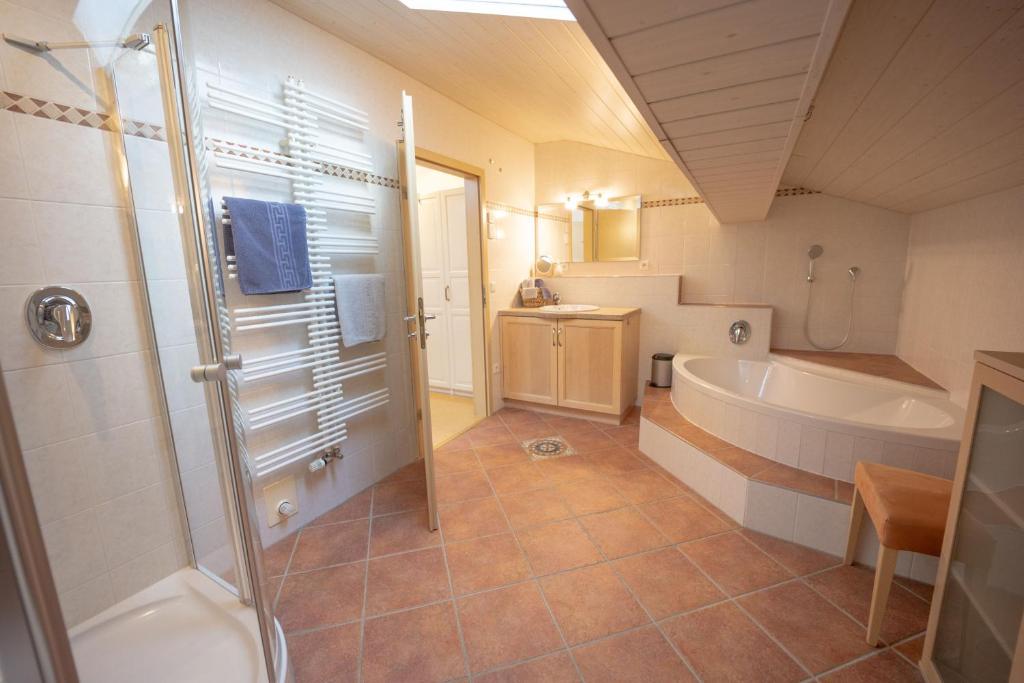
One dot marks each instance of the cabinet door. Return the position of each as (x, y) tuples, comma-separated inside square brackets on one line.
[(456, 293), (590, 364), (529, 361)]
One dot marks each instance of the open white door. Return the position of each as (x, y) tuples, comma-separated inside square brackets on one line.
[(415, 316)]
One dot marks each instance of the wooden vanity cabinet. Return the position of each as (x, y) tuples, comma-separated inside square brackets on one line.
[(575, 363)]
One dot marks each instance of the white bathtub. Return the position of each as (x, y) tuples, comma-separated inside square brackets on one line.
[(816, 418)]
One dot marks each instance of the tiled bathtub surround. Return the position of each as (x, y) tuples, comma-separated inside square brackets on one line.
[(762, 494), (805, 443), (965, 273)]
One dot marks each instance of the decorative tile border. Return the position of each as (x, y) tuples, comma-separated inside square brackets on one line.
[(54, 111), (355, 174), (674, 201), (513, 210)]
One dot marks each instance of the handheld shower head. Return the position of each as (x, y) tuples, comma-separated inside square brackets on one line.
[(854, 271), (813, 253)]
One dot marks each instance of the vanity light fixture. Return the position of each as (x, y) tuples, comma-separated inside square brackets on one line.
[(570, 203), (601, 202)]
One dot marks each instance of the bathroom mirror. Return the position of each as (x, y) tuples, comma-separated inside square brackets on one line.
[(588, 233)]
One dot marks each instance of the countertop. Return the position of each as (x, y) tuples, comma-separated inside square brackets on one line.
[(604, 313)]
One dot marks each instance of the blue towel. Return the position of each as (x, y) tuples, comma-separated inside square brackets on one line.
[(269, 243)]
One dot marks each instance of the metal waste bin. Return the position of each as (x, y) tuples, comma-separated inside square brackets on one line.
[(661, 369)]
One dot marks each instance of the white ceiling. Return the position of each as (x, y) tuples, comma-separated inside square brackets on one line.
[(922, 105), (724, 85), (540, 79)]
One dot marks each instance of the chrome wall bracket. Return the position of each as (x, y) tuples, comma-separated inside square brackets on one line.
[(216, 372), (58, 317)]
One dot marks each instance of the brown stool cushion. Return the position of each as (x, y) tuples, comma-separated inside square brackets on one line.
[(907, 508)]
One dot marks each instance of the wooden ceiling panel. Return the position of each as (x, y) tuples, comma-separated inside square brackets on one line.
[(731, 29), (737, 68), (727, 120), (921, 99), (724, 88), (621, 17), (540, 79)]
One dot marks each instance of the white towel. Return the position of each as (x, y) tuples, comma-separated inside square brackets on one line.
[(362, 310)]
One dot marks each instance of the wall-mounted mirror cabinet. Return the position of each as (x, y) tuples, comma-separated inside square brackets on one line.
[(588, 233)]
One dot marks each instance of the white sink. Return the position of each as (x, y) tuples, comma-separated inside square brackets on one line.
[(569, 308)]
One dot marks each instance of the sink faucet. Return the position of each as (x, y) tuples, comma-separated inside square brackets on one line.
[(557, 297)]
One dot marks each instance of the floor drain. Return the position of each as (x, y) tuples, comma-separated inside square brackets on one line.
[(548, 447)]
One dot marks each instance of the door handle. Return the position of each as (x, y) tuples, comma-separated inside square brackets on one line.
[(430, 317), (560, 337), (215, 372), (447, 292), (553, 336)]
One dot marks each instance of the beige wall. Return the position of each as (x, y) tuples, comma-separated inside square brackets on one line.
[(764, 262), (965, 276)]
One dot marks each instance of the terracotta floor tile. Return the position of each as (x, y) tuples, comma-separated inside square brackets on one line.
[(328, 655), (626, 435), (911, 649), (569, 468), (622, 532), (590, 603), (453, 462), (401, 532), (714, 510), (666, 582), (459, 443), (534, 430), (850, 588), (399, 496), (615, 460), (556, 668), (406, 580), (472, 518), (465, 486), (414, 471), (644, 486), (516, 416), (735, 564), (530, 508), (502, 455), (489, 436), (683, 519), (418, 645), (918, 588), (886, 666), (798, 480), (322, 546), (746, 463), (277, 556), (704, 440), (486, 562), (506, 625), (584, 442), (356, 507), (557, 546), (321, 597), (810, 628), (517, 478), (642, 656), (723, 644), (796, 558), (564, 426), (591, 495)]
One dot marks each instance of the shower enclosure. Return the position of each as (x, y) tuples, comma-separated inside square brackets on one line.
[(135, 530)]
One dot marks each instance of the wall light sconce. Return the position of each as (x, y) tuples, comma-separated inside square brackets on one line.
[(601, 202), (570, 203)]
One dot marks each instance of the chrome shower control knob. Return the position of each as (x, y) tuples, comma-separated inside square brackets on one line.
[(286, 508), (739, 332)]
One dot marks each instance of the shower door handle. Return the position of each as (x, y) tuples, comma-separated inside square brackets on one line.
[(215, 372)]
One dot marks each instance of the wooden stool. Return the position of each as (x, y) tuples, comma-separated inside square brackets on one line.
[(909, 512)]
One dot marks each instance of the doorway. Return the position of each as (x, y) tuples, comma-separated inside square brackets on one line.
[(452, 258)]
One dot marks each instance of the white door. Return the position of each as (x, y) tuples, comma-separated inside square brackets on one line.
[(457, 293), (432, 263)]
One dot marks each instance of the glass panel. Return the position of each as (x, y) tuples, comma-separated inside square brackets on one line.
[(984, 594)]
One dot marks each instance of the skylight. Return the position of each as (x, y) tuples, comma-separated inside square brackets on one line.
[(536, 9)]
